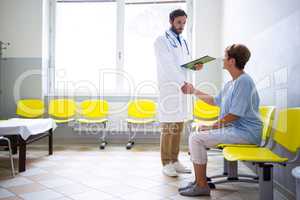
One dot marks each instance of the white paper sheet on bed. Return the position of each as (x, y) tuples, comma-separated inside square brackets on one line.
[(26, 127)]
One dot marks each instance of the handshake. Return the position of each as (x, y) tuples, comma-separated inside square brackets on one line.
[(188, 88)]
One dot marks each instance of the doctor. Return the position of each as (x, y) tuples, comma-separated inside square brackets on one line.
[(171, 51)]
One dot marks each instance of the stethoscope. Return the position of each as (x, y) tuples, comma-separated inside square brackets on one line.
[(173, 42)]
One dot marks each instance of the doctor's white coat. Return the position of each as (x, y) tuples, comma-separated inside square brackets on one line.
[(173, 105)]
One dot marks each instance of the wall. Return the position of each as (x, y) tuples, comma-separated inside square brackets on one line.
[(21, 25), (207, 41), (271, 29)]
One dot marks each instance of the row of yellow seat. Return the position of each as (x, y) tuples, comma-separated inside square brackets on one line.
[(97, 110), (90, 111), (93, 111)]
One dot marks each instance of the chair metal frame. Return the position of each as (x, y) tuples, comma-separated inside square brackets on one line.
[(10, 154)]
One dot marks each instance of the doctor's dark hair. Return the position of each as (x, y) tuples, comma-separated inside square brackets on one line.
[(177, 13), (240, 53)]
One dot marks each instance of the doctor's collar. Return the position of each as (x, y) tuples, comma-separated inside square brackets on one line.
[(173, 32)]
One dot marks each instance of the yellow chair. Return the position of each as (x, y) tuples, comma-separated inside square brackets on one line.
[(204, 113), (267, 114), (94, 112), (140, 112), (286, 135), (62, 110), (30, 108), (230, 169)]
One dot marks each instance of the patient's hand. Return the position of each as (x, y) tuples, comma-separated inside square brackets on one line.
[(187, 88), (204, 128), (198, 66), (209, 127)]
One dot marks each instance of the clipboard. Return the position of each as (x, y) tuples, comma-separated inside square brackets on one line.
[(202, 60)]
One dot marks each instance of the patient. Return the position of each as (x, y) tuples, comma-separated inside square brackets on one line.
[(239, 121)]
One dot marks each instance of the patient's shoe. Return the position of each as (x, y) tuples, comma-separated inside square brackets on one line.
[(180, 168), (169, 170), (195, 190), (190, 184)]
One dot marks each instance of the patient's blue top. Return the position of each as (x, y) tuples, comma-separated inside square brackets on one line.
[(240, 97)]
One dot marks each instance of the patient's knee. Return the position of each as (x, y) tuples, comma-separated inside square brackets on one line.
[(196, 138)]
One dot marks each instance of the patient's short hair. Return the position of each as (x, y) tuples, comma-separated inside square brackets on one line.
[(177, 13), (240, 53)]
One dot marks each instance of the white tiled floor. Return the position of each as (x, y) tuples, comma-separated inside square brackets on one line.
[(115, 173), (4, 193), (44, 194), (15, 182)]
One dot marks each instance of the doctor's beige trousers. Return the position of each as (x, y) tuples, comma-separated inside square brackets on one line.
[(170, 141)]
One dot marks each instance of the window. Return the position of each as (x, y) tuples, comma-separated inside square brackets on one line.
[(143, 23), (108, 42), (85, 44)]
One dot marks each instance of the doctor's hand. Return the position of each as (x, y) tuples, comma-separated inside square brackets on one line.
[(187, 88), (198, 66)]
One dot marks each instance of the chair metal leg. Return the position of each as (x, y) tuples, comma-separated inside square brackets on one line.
[(10, 154), (225, 171), (230, 171), (248, 176), (103, 145), (103, 139), (232, 167), (11, 158), (265, 173), (225, 167), (232, 176), (130, 138), (234, 181)]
